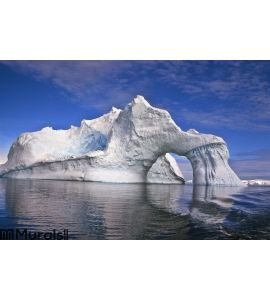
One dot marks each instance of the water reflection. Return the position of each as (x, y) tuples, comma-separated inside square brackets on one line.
[(116, 211), (209, 204)]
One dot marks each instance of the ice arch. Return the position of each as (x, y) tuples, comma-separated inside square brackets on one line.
[(143, 133)]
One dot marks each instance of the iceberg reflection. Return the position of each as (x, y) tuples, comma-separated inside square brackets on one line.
[(91, 210)]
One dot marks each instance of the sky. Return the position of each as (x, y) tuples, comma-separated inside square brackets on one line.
[(230, 99)]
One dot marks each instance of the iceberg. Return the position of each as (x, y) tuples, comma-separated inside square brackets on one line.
[(124, 146)]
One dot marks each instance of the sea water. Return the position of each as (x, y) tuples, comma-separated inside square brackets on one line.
[(91, 210)]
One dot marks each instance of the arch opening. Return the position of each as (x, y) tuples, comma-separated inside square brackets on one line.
[(166, 169), (185, 167)]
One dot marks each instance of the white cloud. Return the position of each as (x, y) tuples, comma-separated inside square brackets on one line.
[(223, 118), (101, 84)]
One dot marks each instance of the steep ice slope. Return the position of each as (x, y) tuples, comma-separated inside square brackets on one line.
[(165, 170), (136, 138)]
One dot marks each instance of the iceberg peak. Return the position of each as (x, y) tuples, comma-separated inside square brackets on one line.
[(140, 100)]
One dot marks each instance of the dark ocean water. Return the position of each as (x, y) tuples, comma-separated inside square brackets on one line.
[(135, 211)]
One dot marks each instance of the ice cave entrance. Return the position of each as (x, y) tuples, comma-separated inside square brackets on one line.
[(185, 166)]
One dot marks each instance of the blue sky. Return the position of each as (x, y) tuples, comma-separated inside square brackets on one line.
[(227, 98)]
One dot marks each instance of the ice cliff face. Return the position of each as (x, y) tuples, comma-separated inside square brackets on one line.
[(210, 164), (128, 145)]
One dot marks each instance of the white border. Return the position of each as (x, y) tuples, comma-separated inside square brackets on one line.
[(141, 29), (135, 270)]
